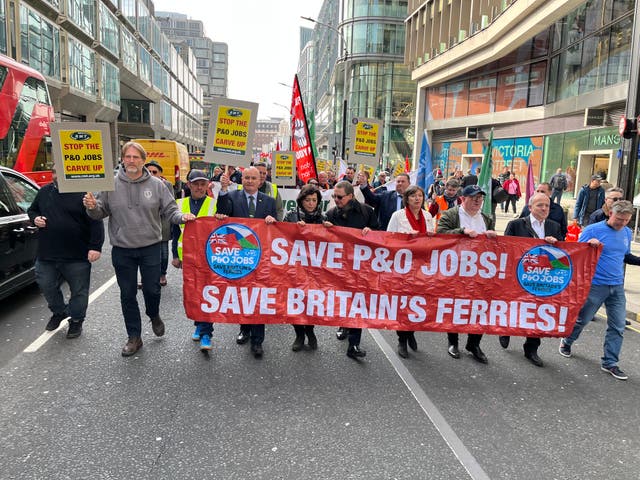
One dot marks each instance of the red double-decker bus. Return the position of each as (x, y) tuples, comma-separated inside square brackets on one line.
[(25, 115)]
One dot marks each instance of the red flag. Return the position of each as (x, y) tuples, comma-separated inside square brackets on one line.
[(407, 165), (300, 138)]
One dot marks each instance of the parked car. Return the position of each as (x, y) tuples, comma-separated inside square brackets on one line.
[(18, 237)]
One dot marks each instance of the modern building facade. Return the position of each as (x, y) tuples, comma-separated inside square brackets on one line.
[(551, 78), (367, 38), (211, 57), (106, 61)]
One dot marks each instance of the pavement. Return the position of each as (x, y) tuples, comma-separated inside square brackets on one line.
[(632, 275)]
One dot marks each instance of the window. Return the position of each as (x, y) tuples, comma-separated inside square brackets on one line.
[(23, 192), (513, 87), (82, 75), (40, 43), (129, 51), (109, 31), (110, 87), (83, 14)]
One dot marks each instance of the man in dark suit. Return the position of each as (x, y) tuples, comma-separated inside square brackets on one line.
[(247, 203), (536, 225), (469, 179), (385, 202), (556, 212)]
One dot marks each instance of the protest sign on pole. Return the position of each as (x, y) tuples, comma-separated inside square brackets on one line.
[(242, 270), (284, 168), (232, 125), (366, 141), (82, 156)]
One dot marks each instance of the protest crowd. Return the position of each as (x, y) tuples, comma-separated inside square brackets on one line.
[(144, 218)]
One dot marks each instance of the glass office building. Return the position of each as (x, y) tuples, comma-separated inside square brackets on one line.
[(553, 86)]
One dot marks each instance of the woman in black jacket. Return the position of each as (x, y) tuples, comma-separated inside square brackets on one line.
[(309, 210)]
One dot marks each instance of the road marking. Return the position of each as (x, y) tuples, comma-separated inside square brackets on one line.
[(44, 338), (461, 452)]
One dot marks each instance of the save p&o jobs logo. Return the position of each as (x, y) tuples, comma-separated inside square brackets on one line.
[(544, 270), (233, 251)]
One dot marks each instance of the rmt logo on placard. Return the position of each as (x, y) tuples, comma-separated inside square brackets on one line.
[(80, 136), (232, 112)]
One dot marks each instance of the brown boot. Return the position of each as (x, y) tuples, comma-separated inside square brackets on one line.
[(132, 346), (157, 325)]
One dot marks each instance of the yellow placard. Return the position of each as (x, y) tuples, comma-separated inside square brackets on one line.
[(82, 154), (232, 130), (366, 139), (321, 165), (283, 164)]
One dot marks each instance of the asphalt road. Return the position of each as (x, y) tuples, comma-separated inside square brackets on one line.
[(76, 409)]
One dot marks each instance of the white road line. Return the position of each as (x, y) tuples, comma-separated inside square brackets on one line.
[(461, 452), (44, 338)]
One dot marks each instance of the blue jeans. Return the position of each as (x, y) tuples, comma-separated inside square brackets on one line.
[(164, 258), (205, 328), (556, 196), (616, 307), (126, 262), (51, 274), (255, 332)]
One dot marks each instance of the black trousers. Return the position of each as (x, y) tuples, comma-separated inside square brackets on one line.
[(473, 339)]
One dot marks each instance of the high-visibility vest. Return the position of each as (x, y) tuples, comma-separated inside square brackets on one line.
[(207, 209)]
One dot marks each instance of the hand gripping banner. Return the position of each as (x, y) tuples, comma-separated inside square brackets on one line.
[(244, 271)]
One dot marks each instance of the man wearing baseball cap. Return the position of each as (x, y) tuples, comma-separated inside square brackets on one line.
[(467, 219), (200, 205)]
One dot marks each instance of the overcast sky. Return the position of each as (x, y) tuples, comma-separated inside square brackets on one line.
[(264, 43)]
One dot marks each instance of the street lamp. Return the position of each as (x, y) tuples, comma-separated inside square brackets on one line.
[(344, 85)]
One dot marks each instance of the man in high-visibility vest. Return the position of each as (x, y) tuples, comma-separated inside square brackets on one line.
[(447, 200), (200, 205)]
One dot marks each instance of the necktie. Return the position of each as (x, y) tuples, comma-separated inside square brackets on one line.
[(252, 206)]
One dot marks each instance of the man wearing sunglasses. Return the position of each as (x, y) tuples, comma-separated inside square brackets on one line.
[(348, 212), (611, 196)]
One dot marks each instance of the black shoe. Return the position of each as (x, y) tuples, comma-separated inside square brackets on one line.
[(54, 321), (504, 341), (402, 350), (356, 352), (242, 338), (478, 354), (75, 329), (411, 340), (534, 358), (313, 341), (157, 325), (298, 343), (453, 351), (257, 351), (341, 333)]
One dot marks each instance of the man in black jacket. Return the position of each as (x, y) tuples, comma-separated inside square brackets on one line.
[(348, 212), (535, 225), (556, 212), (69, 241)]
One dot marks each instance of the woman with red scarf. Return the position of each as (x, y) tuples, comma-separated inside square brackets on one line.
[(414, 219)]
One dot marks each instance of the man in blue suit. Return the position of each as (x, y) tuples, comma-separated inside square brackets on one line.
[(386, 202), (247, 203)]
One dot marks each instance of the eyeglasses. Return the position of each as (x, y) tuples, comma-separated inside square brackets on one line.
[(339, 197), (153, 172), (616, 199)]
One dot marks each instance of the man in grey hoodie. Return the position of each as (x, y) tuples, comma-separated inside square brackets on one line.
[(134, 209)]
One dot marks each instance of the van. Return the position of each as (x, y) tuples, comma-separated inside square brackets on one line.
[(172, 156)]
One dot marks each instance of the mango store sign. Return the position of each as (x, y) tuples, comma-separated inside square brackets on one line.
[(82, 156)]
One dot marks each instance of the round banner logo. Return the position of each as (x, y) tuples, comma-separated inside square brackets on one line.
[(233, 251), (544, 270)]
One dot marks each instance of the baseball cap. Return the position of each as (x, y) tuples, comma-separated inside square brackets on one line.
[(153, 163), (195, 175), (472, 191)]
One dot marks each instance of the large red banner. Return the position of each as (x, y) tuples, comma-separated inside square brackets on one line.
[(300, 138), (244, 271)]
